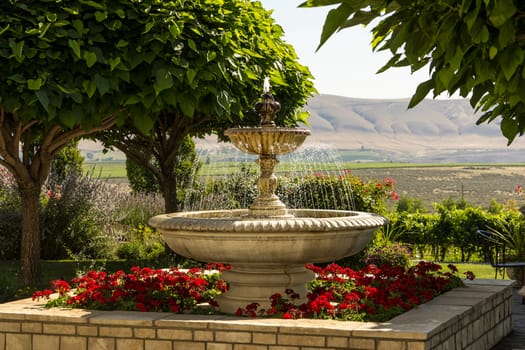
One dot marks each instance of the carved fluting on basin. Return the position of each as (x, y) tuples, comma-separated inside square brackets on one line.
[(267, 140), (308, 220), (229, 236)]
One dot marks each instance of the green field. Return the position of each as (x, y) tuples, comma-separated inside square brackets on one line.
[(106, 170), (116, 170)]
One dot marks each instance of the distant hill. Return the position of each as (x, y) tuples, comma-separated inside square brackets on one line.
[(433, 131)]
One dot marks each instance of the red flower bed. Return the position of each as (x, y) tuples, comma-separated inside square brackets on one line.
[(370, 294), (142, 289)]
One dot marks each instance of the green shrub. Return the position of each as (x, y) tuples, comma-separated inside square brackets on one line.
[(11, 231), (67, 161), (344, 192), (70, 221), (391, 254), (234, 191), (143, 244), (9, 198), (410, 205)]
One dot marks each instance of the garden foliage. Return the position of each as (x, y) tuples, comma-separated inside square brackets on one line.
[(82, 217)]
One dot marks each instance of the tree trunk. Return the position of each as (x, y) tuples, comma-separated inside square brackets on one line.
[(30, 246), (169, 191)]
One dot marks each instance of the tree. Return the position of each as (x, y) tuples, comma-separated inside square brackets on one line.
[(221, 52), (71, 69), (143, 180), (472, 47)]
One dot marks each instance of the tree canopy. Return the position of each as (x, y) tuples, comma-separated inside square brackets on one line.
[(212, 75), (472, 47)]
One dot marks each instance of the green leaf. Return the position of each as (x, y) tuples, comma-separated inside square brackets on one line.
[(34, 84), (210, 56), (134, 99), (19, 78), (67, 118), (223, 100), (192, 45), (65, 90), (507, 34), (509, 129), (3, 30), (187, 106), (122, 43), (94, 4), (175, 30), (471, 17), (445, 76), (503, 10), (42, 97), (75, 46), (421, 92), (79, 26), (89, 87), (103, 84), (191, 74), (316, 3), (143, 123), (148, 27), (44, 30), (493, 51), (17, 48), (163, 80), (120, 13), (334, 20), (509, 60), (90, 58), (101, 16), (114, 62)]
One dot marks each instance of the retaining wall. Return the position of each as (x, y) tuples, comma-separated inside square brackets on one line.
[(474, 318)]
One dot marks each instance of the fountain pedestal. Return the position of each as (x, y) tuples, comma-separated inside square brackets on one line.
[(251, 283)]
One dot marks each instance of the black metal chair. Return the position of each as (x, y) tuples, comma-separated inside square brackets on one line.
[(495, 250)]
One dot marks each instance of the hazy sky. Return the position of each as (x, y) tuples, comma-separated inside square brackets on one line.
[(345, 65)]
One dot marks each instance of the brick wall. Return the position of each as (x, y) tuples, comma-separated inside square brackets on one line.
[(473, 318)]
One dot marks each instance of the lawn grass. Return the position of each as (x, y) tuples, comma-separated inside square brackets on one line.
[(481, 271)]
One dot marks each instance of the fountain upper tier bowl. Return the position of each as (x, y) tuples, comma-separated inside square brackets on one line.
[(267, 140), (230, 236)]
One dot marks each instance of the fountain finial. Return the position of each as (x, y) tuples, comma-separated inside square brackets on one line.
[(268, 107), (266, 85)]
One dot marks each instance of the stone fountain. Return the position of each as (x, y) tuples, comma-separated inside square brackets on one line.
[(267, 244)]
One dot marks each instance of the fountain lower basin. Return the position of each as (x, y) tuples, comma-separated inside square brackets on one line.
[(267, 256)]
